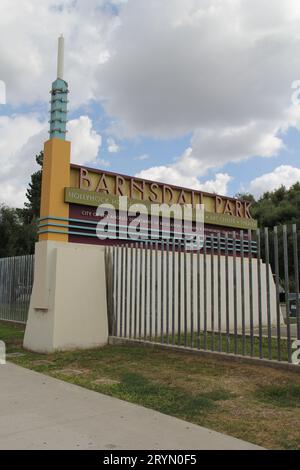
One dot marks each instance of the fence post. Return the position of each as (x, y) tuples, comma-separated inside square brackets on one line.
[(243, 292), (259, 293), (296, 274), (173, 289), (198, 299), (235, 294), (276, 262), (268, 293), (212, 293), (287, 290), (16, 280)]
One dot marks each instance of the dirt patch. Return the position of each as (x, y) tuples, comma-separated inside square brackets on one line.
[(106, 381), (42, 362), (73, 372), (15, 354)]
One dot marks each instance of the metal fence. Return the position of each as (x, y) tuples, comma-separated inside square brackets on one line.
[(231, 296), (16, 280)]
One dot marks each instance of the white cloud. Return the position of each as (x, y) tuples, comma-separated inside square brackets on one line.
[(2, 92), (184, 172), (15, 133), (12, 194), (172, 175), (221, 70), (142, 157), (103, 163), (163, 174), (86, 142), (22, 137), (112, 146), (285, 175), (218, 185), (212, 148), (28, 41)]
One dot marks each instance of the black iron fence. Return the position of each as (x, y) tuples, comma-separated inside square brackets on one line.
[(16, 280), (237, 294)]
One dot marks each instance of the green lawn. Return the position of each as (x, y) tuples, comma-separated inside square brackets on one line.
[(230, 344), (255, 403)]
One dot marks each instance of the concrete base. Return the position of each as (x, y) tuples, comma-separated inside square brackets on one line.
[(68, 303)]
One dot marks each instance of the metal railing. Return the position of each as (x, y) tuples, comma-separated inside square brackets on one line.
[(223, 297), (16, 280)]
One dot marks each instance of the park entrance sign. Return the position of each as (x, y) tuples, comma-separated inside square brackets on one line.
[(89, 187), (100, 182), (68, 307)]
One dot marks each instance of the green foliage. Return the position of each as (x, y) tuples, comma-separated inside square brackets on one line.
[(33, 193), (18, 227), (279, 207), (17, 237), (280, 395), (246, 197)]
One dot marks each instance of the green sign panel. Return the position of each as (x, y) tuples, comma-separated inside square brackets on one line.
[(93, 199)]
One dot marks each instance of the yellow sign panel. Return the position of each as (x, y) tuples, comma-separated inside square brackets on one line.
[(93, 199), (90, 186)]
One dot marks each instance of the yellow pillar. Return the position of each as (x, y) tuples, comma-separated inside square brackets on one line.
[(56, 177)]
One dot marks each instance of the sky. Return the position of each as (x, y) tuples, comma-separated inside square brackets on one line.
[(203, 94)]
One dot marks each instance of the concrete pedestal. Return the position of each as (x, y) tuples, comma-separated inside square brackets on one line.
[(68, 307)]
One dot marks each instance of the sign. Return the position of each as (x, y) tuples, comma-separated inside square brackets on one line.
[(93, 187)]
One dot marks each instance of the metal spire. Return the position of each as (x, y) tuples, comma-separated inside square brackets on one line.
[(59, 98), (60, 57)]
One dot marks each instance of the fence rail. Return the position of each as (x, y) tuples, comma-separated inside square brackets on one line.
[(16, 280), (223, 297)]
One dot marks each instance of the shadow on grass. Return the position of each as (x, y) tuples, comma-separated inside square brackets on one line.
[(286, 396), (166, 399), (12, 334)]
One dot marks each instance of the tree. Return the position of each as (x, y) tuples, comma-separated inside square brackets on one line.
[(246, 197), (17, 238), (19, 227), (33, 193), (277, 208), (8, 231)]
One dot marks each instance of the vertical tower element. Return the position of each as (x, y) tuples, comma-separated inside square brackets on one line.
[(60, 57), (64, 306), (59, 98), (56, 164)]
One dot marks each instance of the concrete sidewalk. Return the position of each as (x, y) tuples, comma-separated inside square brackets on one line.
[(39, 412)]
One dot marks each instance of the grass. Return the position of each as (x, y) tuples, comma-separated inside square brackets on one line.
[(12, 334), (135, 387), (282, 396), (254, 403), (231, 344)]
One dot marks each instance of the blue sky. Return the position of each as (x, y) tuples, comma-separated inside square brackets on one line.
[(244, 172), (195, 93)]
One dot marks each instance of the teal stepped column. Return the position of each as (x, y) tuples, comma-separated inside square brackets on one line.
[(58, 113)]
